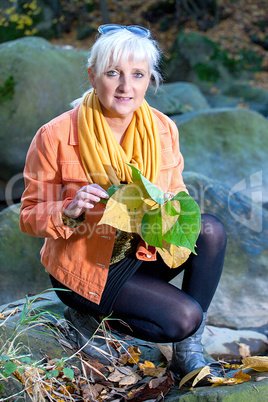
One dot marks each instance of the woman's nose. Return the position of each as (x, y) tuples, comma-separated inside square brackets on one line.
[(124, 83)]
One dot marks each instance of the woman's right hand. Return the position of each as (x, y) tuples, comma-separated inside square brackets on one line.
[(86, 198)]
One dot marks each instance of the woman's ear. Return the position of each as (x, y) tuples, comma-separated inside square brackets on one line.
[(91, 77)]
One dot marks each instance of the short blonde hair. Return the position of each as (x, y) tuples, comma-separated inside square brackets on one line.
[(124, 44)]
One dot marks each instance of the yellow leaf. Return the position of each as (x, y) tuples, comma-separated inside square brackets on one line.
[(131, 356), (172, 255), (244, 349), (237, 378), (166, 350), (203, 373), (188, 376), (257, 363), (148, 368), (125, 210)]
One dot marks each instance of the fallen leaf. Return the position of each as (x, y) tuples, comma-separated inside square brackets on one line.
[(237, 378), (166, 350), (244, 349), (148, 368), (257, 363), (189, 376), (152, 390), (130, 356), (202, 374)]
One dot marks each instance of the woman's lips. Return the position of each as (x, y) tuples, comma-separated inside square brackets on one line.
[(123, 98)]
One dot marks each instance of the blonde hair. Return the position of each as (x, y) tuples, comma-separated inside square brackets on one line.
[(124, 44)]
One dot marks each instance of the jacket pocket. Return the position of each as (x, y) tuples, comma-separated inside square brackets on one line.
[(72, 171), (73, 178)]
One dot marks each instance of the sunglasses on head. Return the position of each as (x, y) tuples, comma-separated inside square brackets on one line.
[(135, 29)]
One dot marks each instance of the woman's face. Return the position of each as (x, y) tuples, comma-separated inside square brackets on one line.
[(121, 89)]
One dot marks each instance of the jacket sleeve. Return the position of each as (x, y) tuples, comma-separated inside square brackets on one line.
[(41, 204), (176, 182)]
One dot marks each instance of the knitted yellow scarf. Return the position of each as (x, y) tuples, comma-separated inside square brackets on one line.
[(104, 158)]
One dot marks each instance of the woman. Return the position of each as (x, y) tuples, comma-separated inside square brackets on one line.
[(71, 163)]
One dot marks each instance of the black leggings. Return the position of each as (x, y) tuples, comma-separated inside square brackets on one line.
[(150, 308)]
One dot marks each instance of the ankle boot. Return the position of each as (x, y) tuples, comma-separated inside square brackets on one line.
[(92, 340), (188, 354)]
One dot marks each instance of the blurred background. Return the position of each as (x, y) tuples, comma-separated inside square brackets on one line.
[(239, 27)]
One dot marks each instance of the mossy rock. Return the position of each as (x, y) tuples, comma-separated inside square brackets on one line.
[(37, 82), (226, 144), (198, 59), (20, 267)]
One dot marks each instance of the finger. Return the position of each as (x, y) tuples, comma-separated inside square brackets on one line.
[(87, 197), (96, 190)]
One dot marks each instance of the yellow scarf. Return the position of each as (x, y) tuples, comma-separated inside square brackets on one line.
[(103, 158)]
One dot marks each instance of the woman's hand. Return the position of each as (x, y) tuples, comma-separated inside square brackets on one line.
[(85, 199)]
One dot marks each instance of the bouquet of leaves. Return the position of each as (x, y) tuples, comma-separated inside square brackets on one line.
[(170, 225)]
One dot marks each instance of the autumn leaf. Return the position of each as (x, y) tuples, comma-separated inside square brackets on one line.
[(131, 356), (166, 350), (237, 378), (189, 376), (244, 349), (257, 363), (148, 368), (172, 255), (172, 226), (202, 374)]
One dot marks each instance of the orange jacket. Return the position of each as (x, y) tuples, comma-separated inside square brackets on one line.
[(79, 258)]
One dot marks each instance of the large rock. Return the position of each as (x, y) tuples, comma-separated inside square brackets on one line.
[(20, 269), (197, 59), (239, 93), (229, 145), (38, 81), (241, 298), (225, 343), (176, 98)]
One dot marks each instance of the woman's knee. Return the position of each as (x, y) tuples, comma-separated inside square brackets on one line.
[(213, 230), (184, 323)]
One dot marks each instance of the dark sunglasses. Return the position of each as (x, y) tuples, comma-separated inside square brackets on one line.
[(136, 29)]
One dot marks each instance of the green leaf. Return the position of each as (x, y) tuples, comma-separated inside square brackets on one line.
[(10, 368), (151, 227), (52, 374), (154, 192), (186, 229), (111, 190), (136, 174), (68, 373), (170, 209)]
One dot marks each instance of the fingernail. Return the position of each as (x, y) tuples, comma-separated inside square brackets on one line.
[(104, 195)]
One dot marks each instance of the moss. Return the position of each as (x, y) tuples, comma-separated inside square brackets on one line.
[(7, 91), (206, 72)]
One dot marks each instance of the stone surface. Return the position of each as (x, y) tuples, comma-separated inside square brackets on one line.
[(38, 83), (241, 297), (195, 58), (20, 268), (176, 98), (229, 145), (239, 93), (223, 343)]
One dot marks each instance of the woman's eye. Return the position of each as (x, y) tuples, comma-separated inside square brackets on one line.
[(111, 73), (138, 75)]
